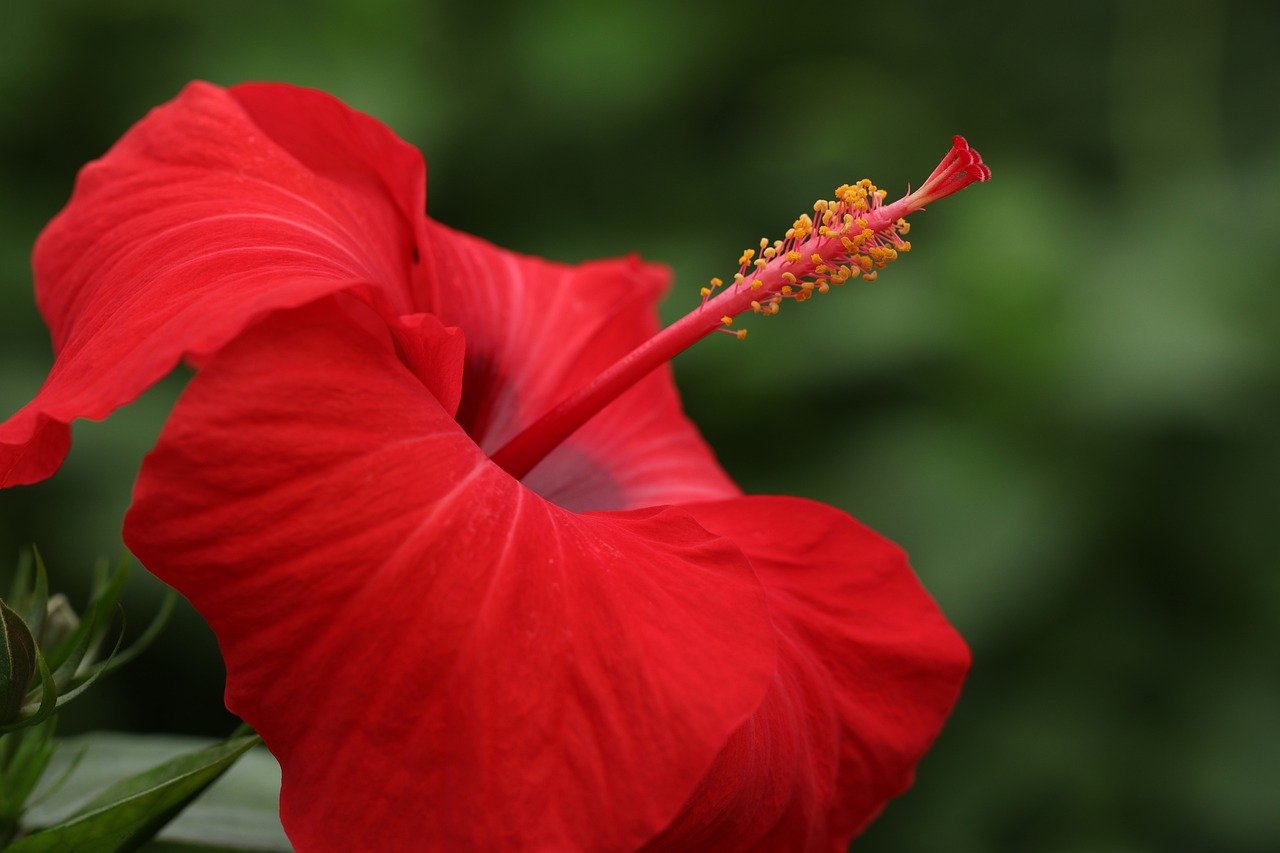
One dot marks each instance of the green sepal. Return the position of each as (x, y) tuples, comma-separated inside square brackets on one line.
[(81, 681), (77, 682), (133, 810), (82, 643), (33, 604), (21, 578)]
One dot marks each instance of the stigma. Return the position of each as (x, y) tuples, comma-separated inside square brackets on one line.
[(850, 237)]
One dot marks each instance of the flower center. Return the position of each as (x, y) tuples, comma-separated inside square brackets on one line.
[(849, 237)]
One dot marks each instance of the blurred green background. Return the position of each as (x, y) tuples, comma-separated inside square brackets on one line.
[(1063, 402)]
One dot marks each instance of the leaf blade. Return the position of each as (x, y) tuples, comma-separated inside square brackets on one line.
[(134, 809)]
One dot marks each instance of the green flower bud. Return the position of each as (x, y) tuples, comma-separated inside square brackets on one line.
[(17, 663)]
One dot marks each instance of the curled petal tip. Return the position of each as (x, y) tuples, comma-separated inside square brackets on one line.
[(961, 167)]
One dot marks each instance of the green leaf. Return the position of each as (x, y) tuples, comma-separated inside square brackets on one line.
[(17, 662), (132, 810), (21, 772), (51, 788), (238, 812)]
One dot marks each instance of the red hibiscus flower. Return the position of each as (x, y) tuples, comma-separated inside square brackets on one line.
[(461, 622)]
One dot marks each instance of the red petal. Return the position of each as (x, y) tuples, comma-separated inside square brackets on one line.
[(868, 671), (537, 331), (224, 205), (436, 654), (215, 209)]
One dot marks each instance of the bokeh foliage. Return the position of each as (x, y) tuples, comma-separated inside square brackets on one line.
[(1063, 402)]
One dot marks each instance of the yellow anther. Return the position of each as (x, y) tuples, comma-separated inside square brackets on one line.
[(802, 227), (741, 334), (861, 253)]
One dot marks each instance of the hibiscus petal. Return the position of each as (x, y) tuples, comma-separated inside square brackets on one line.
[(207, 214), (868, 671), (537, 331), (438, 656)]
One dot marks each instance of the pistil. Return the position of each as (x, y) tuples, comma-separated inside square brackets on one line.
[(850, 237)]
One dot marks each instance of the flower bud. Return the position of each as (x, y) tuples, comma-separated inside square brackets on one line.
[(17, 662), (60, 622)]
